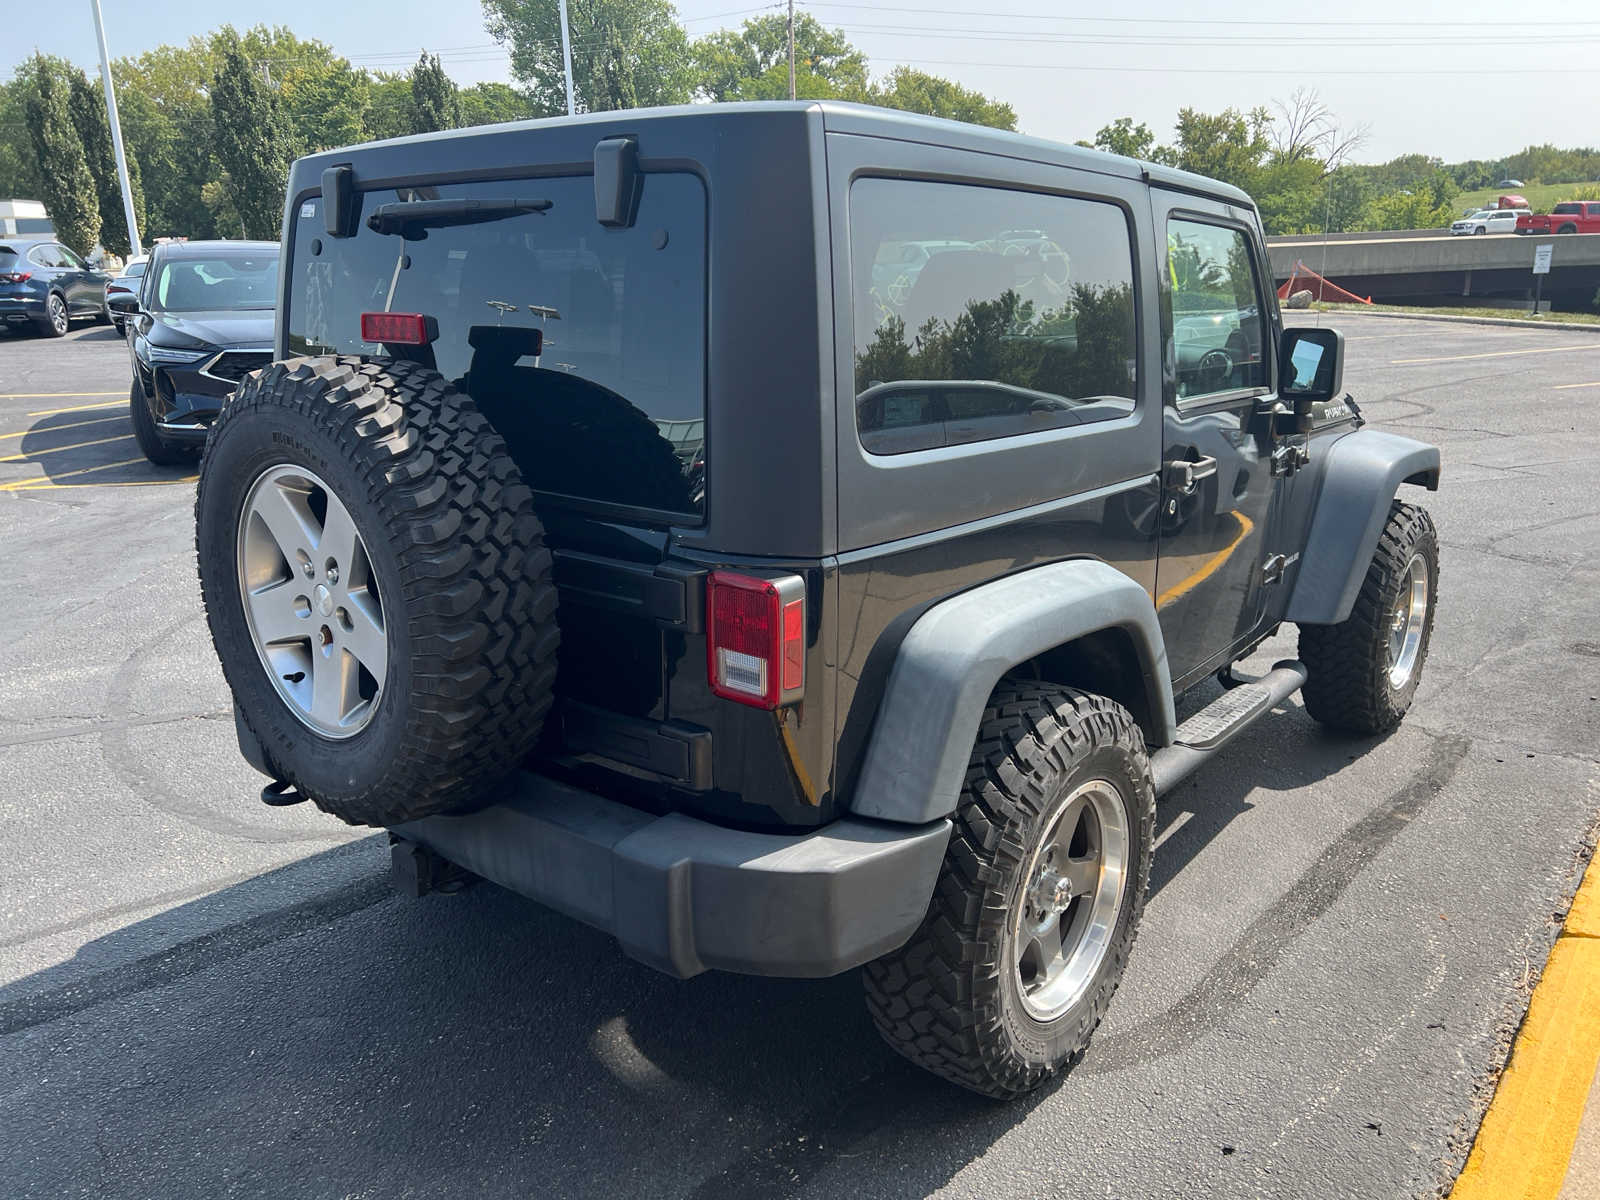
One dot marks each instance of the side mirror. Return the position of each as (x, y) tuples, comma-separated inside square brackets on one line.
[(125, 303), (1310, 365)]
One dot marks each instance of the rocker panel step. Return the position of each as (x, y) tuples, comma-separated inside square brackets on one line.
[(1236, 706)]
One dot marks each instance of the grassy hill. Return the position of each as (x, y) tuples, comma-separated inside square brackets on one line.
[(1540, 195)]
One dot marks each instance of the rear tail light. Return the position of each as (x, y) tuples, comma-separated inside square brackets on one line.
[(15, 276), (398, 329), (756, 638)]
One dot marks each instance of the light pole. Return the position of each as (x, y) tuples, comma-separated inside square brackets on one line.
[(791, 49), (566, 53), (134, 246)]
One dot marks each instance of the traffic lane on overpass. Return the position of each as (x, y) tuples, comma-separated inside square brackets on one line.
[(1575, 254), (200, 994)]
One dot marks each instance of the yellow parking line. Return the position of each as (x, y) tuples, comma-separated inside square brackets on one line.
[(1563, 387), (20, 484), (50, 412), (63, 449), (1209, 567), (1525, 1143), (45, 485), (1402, 362), (52, 396), (59, 428)]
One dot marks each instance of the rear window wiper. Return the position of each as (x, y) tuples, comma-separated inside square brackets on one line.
[(412, 218)]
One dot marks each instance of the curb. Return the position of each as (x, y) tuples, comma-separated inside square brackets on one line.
[(1526, 1142), (1509, 322)]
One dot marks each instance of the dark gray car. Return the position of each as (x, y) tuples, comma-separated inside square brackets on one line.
[(201, 321), (611, 529), (48, 286)]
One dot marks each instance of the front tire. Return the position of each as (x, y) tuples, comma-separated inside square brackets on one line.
[(156, 446), (377, 586), (1038, 901), (1363, 672)]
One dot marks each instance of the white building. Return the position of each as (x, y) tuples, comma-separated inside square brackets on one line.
[(18, 217)]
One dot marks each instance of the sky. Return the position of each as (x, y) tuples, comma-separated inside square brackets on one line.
[(1475, 81)]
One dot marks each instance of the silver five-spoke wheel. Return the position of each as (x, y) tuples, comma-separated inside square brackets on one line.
[(1407, 622), (1071, 895), (313, 608)]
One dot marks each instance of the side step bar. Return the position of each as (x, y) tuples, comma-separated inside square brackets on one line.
[(1215, 725)]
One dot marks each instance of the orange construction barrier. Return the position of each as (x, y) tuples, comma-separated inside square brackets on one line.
[(1303, 278)]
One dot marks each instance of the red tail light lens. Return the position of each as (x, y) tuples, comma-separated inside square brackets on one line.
[(756, 638), (15, 276), (398, 329)]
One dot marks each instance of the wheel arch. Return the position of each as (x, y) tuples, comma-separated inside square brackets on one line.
[(1080, 622), (1363, 472)]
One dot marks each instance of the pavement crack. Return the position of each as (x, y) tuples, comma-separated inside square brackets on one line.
[(168, 966), (1213, 1000)]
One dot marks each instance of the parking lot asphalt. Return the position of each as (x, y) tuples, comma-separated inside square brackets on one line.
[(203, 996)]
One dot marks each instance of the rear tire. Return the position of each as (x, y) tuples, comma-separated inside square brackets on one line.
[(56, 320), (446, 673), (1363, 672), (1568, 228), (156, 446), (972, 997)]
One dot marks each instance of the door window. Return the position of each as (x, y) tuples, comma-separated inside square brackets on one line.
[(69, 259), (983, 313), (44, 256), (1216, 310)]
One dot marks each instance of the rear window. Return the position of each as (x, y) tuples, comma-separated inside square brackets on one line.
[(133, 270), (8, 258), (585, 346), (223, 282)]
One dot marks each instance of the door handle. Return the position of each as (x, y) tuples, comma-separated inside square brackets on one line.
[(1184, 475)]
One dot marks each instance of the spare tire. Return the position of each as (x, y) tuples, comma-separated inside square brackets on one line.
[(377, 586)]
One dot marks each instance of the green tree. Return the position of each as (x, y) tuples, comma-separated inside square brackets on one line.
[(752, 62), (390, 112), (19, 168), (88, 107), (251, 142), (327, 104), (917, 91), (68, 187), (434, 100), (1229, 145), (166, 127), (625, 53), (491, 103), (1125, 137), (1425, 207)]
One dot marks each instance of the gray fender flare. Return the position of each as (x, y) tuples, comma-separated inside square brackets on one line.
[(951, 659), (1363, 472)]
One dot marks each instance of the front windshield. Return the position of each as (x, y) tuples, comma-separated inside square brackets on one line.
[(224, 283)]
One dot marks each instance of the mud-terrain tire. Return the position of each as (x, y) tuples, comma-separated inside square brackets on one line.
[(446, 545), (159, 449), (1355, 678), (954, 999)]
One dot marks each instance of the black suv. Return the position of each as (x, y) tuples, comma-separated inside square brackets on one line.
[(778, 535)]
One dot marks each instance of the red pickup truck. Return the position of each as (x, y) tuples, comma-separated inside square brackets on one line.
[(1571, 216)]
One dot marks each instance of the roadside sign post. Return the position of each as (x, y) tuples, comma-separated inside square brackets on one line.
[(1541, 268)]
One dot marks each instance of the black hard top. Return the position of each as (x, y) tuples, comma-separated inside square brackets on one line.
[(836, 117)]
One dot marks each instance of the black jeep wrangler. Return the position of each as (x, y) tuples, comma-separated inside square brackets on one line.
[(777, 535)]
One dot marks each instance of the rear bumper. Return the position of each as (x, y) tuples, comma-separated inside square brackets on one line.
[(684, 895), (21, 308)]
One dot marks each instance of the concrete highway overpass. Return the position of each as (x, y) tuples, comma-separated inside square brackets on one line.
[(1422, 267)]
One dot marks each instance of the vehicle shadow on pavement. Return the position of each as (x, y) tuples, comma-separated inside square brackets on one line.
[(306, 1032), (89, 446)]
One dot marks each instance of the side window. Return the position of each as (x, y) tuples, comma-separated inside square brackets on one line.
[(984, 313), (69, 259), (1216, 310), (44, 256)]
